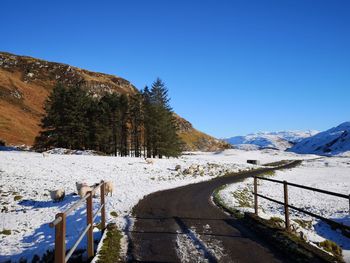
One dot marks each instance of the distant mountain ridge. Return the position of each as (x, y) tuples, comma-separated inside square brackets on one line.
[(275, 140), (330, 142), (26, 82)]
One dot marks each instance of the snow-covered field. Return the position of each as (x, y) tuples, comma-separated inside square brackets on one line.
[(25, 178), (328, 173)]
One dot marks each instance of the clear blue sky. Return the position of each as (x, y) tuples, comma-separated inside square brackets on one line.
[(232, 67)]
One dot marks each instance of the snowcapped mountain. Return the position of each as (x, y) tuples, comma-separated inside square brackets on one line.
[(276, 140), (331, 142)]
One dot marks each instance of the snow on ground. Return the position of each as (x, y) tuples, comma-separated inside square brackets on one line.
[(191, 247), (26, 178), (328, 173), (188, 249)]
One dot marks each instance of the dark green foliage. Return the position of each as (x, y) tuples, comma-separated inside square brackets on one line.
[(65, 124), (148, 121), (110, 123), (162, 133), (123, 125), (95, 125), (136, 112), (113, 124)]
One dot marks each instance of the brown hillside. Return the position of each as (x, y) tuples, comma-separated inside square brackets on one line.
[(25, 83), (196, 140)]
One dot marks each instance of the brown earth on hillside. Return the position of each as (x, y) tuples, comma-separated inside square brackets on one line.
[(26, 82), (196, 140)]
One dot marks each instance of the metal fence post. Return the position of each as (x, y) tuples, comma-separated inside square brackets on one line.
[(103, 210), (256, 195), (286, 210), (60, 239), (90, 233)]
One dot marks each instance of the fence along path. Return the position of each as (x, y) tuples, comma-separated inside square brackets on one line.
[(60, 225), (344, 228)]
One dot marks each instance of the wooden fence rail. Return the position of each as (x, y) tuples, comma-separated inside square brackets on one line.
[(286, 205), (60, 225)]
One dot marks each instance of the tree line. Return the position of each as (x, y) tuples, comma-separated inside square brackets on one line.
[(137, 125)]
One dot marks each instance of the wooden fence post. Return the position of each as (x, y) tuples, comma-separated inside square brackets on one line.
[(286, 210), (103, 210), (256, 195), (60, 239), (90, 233)]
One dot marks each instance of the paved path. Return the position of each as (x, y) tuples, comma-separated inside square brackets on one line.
[(184, 224)]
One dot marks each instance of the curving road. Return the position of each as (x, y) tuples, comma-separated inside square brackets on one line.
[(183, 224)]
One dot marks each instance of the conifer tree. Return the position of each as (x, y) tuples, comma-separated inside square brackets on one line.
[(164, 140), (148, 122), (74, 114), (112, 124), (123, 125), (136, 123), (51, 123), (65, 122), (105, 135), (96, 123), (111, 104)]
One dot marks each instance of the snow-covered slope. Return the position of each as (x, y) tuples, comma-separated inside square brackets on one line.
[(331, 142), (277, 140)]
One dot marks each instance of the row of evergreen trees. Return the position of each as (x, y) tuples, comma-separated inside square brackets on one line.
[(142, 124)]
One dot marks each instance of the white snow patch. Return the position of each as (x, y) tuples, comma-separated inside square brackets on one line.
[(187, 251)]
